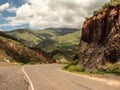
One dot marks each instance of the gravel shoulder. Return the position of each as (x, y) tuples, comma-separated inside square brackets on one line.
[(108, 76)]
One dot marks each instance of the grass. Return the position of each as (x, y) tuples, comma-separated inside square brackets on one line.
[(110, 68), (72, 38), (106, 5), (73, 68), (114, 69), (15, 64)]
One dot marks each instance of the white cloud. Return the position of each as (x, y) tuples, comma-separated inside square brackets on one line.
[(4, 6), (55, 13), (25, 11), (9, 25), (1, 30), (12, 9)]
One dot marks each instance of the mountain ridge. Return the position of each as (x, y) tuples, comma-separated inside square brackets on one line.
[(13, 50), (50, 40)]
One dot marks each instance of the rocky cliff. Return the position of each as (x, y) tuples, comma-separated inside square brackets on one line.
[(100, 41)]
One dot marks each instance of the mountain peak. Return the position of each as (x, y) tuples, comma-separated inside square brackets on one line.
[(22, 30)]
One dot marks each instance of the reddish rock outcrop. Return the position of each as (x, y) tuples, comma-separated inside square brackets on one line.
[(100, 41)]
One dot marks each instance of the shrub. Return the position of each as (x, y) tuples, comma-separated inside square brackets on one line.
[(73, 68), (114, 69), (110, 68)]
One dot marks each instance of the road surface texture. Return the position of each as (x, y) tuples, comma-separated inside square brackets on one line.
[(12, 78), (51, 77)]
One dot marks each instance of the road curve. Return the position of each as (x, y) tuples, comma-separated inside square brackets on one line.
[(51, 77)]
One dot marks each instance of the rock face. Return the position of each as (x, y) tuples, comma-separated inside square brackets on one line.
[(100, 41)]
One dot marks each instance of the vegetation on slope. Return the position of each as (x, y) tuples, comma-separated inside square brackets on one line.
[(107, 69), (106, 5), (33, 37), (14, 51), (64, 46), (111, 3), (25, 36), (57, 42)]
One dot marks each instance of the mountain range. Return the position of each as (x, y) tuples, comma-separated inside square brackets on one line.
[(57, 42)]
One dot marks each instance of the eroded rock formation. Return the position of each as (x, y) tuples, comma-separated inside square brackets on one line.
[(100, 41)]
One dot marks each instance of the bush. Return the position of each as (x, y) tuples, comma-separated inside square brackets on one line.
[(73, 68), (111, 68), (114, 69)]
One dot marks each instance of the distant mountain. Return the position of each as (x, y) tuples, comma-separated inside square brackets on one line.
[(33, 37), (61, 46), (51, 40), (13, 50)]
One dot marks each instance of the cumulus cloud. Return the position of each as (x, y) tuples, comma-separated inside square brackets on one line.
[(55, 13), (12, 9), (4, 6)]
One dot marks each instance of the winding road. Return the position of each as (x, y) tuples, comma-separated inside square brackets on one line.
[(50, 77)]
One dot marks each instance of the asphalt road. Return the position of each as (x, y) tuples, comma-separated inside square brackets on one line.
[(12, 78), (51, 77)]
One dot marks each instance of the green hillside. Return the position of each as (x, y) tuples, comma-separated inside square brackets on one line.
[(57, 42), (61, 46), (25, 36), (33, 37), (67, 45), (14, 51)]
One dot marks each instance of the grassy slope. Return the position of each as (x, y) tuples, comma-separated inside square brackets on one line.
[(15, 51), (57, 41), (32, 37), (71, 38), (62, 46), (25, 36)]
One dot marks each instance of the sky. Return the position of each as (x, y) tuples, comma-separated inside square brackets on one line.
[(41, 14)]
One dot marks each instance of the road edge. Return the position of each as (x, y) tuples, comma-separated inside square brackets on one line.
[(106, 81), (31, 84)]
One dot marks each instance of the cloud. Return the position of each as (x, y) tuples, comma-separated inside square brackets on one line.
[(55, 13), (12, 9), (25, 11), (1, 30), (4, 6)]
